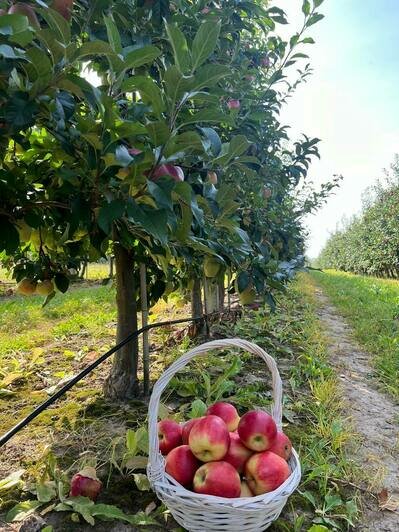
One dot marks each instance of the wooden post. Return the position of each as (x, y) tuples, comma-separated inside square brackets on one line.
[(144, 317), (228, 288)]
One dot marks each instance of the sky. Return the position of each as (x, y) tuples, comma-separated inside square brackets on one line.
[(351, 102)]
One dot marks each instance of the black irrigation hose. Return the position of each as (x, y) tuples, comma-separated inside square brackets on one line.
[(39, 409)]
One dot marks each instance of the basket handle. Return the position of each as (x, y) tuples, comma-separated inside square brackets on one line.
[(202, 349)]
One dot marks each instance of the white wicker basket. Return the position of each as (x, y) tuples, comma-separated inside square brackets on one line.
[(207, 513)]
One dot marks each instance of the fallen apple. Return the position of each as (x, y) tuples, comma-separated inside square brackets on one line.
[(169, 434), (265, 472), (227, 412), (257, 430), (181, 464), (85, 484), (282, 446), (238, 454), (209, 439), (219, 479)]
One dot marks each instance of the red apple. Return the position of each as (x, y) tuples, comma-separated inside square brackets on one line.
[(245, 491), (282, 446), (233, 104), (209, 439), (134, 151), (217, 478), (265, 472), (227, 412), (186, 429), (64, 7), (86, 484), (22, 8), (181, 464), (169, 434), (238, 454), (168, 170), (257, 430)]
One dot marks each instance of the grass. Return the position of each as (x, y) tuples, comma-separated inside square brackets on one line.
[(83, 428), (371, 307)]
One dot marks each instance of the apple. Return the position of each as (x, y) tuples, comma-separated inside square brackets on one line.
[(245, 491), (217, 478), (265, 472), (209, 439), (181, 464), (211, 267), (64, 8), (227, 412), (134, 151), (27, 287), (257, 430), (247, 296), (85, 484), (168, 170), (238, 454), (169, 434), (233, 104), (186, 429), (45, 288), (213, 178), (205, 11), (282, 446), (21, 8), (265, 61)]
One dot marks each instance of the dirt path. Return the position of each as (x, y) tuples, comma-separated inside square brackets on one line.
[(374, 416)]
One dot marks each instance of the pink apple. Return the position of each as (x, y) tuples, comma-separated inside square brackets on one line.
[(282, 446), (237, 454), (245, 491), (169, 434), (257, 430), (217, 478), (186, 429), (85, 484), (181, 464), (265, 472), (213, 178), (227, 412), (233, 104), (209, 439), (265, 61), (168, 170), (134, 151)]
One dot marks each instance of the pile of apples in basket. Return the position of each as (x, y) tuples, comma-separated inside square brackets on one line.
[(224, 455)]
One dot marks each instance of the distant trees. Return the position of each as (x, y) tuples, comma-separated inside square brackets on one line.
[(369, 243)]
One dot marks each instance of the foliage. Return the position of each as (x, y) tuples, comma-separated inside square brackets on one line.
[(372, 308), (369, 244)]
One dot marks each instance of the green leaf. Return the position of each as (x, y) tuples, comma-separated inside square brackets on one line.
[(46, 491), (9, 236), (179, 45), (198, 409), (205, 42), (142, 439), (159, 132), (208, 76), (22, 510), (149, 91), (57, 23), (113, 34), (162, 193), (308, 40), (306, 7), (8, 52), (317, 3), (215, 144), (13, 480), (243, 281), (316, 17), (141, 481), (131, 441), (141, 56), (317, 528), (110, 212), (100, 48), (153, 221), (61, 282), (206, 115), (20, 112), (135, 462)]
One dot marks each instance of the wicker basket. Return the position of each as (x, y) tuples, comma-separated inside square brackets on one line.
[(207, 513)]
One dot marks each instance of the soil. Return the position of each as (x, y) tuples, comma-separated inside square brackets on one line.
[(374, 416)]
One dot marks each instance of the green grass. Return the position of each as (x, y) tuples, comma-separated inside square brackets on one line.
[(371, 307)]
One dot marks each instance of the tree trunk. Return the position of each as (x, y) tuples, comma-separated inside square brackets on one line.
[(211, 296), (196, 299), (111, 267), (122, 382), (221, 294)]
